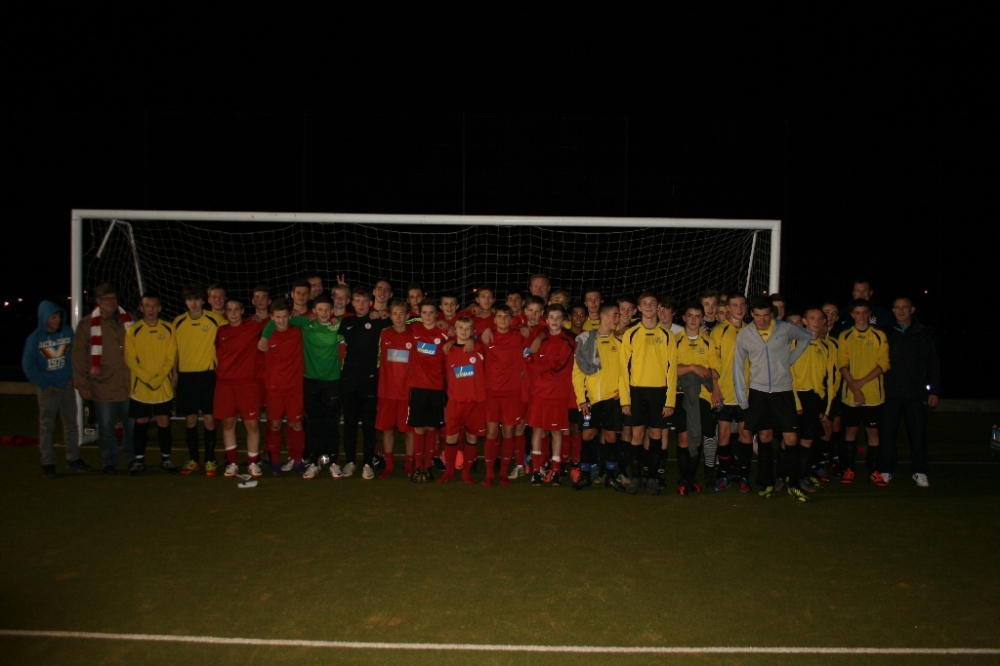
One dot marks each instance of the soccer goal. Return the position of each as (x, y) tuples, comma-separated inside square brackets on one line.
[(161, 251)]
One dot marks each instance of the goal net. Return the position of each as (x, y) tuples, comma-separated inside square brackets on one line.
[(162, 251)]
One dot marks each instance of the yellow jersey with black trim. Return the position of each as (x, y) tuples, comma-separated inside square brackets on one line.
[(861, 352), (149, 354), (648, 359), (836, 381), (724, 337), (699, 350), (605, 384), (591, 324), (814, 371), (196, 341)]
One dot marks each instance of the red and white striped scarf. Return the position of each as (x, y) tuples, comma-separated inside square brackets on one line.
[(97, 342)]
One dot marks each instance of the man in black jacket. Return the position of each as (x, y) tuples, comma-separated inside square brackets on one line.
[(912, 385)]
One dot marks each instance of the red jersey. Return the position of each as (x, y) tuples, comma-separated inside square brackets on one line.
[(519, 320), (533, 332), (236, 350), (479, 324), (395, 351), (551, 369), (450, 322), (466, 374), (427, 362), (505, 363), (284, 362), (259, 365)]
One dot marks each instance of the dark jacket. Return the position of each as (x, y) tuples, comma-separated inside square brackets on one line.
[(914, 368), (46, 357), (362, 336)]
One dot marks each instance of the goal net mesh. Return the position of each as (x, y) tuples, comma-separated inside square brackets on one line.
[(167, 255)]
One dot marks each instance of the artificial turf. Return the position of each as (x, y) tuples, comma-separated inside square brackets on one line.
[(391, 561)]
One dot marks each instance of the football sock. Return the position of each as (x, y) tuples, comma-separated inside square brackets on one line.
[(546, 447), (850, 448), (274, 443), (231, 455), (450, 454), (536, 460), (635, 461), (610, 457), (489, 455), (506, 453), (471, 453), (556, 463), (623, 453), (419, 448), (409, 464), (806, 458), (765, 463), (746, 457), (140, 434), (652, 456), (209, 444), (518, 452), (683, 458), (164, 437), (711, 445), (725, 458), (295, 440), (791, 465), (191, 435), (252, 457), (575, 448)]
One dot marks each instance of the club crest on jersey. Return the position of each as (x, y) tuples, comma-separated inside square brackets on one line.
[(427, 348), (409, 345), (161, 336), (437, 341), (472, 359), (368, 324), (398, 356), (870, 342), (659, 339), (463, 371), (204, 327)]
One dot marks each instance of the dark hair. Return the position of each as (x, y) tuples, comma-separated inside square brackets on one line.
[(216, 285), (399, 303), (263, 288), (709, 293), (648, 294), (502, 307), (860, 303), (605, 307), (485, 287), (194, 290), (554, 307), (670, 303), (301, 283), (761, 303), (151, 295), (415, 285), (535, 300), (777, 297), (449, 294), (579, 304), (280, 304), (427, 301), (625, 298), (322, 298), (363, 292), (518, 292), (695, 305)]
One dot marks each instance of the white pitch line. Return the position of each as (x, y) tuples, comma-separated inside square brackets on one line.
[(474, 647)]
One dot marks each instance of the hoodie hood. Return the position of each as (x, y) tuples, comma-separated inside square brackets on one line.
[(45, 310)]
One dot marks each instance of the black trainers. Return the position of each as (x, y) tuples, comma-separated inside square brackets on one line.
[(49, 471), (633, 485), (109, 469), (537, 480), (79, 465), (438, 464), (585, 481), (653, 486), (169, 467), (613, 483), (135, 468), (710, 477)]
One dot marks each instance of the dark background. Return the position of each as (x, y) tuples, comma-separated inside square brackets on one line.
[(863, 134)]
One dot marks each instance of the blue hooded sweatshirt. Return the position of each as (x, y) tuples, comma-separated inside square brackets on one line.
[(46, 358)]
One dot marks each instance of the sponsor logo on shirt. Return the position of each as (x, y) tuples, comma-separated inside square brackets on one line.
[(427, 348), (462, 371), (398, 355)]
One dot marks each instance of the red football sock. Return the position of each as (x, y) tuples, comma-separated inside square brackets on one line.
[(274, 444), (419, 447), (536, 461), (231, 456), (546, 447), (519, 449), (252, 457), (471, 453), (296, 442), (409, 464), (450, 454), (555, 464), (490, 455), (575, 446)]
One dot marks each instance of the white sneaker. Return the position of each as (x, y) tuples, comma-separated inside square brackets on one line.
[(288, 466), (335, 471), (368, 473), (921, 480), (887, 477), (348, 470), (311, 472), (516, 473), (232, 469), (254, 470)]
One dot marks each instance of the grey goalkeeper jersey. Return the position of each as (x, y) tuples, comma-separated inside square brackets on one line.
[(770, 362)]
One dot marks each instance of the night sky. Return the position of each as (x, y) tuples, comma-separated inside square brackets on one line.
[(861, 133)]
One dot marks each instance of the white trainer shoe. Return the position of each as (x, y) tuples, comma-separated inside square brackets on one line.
[(348, 470), (288, 466), (887, 477), (311, 472), (232, 469), (254, 470), (516, 473), (921, 480), (368, 473), (335, 471)]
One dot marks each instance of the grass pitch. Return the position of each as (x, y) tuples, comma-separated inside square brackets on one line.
[(395, 562)]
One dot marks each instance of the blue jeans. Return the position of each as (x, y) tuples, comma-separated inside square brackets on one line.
[(108, 413)]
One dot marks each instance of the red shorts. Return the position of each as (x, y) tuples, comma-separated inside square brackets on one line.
[(289, 404), (471, 415), (233, 399), (505, 410), (391, 415), (262, 393), (548, 415)]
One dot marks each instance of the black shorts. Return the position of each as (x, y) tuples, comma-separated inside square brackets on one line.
[(195, 392), (575, 417), (647, 406), (426, 408), (606, 415), (680, 417), (148, 410), (730, 413), (771, 411), (870, 416), (810, 427), (836, 408)]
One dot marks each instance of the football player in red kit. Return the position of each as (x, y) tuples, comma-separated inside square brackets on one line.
[(465, 411), (395, 351), (284, 369), (427, 386)]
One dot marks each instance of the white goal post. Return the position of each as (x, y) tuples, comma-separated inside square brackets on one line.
[(764, 256)]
